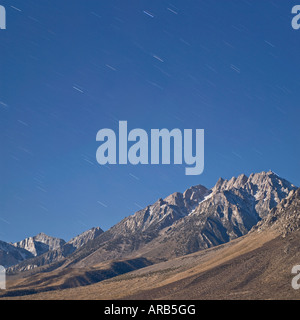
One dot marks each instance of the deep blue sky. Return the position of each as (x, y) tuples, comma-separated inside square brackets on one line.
[(70, 68)]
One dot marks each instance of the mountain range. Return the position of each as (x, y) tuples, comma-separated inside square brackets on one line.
[(44, 246), (197, 221)]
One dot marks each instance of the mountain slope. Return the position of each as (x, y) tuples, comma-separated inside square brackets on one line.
[(134, 232), (284, 218), (262, 273), (255, 266)]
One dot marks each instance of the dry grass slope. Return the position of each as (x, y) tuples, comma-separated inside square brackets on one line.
[(256, 266)]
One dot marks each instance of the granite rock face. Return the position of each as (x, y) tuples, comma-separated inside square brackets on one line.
[(40, 244), (10, 255), (285, 217)]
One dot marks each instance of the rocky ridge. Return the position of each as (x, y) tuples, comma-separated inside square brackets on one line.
[(180, 224), (42, 249)]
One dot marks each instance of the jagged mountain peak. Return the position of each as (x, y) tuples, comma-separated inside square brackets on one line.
[(191, 196), (40, 244), (162, 213), (44, 237), (57, 253), (241, 179), (267, 179), (195, 193), (84, 237), (219, 184), (234, 182), (42, 234)]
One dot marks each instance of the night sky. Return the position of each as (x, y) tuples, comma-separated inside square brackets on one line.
[(69, 68)]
